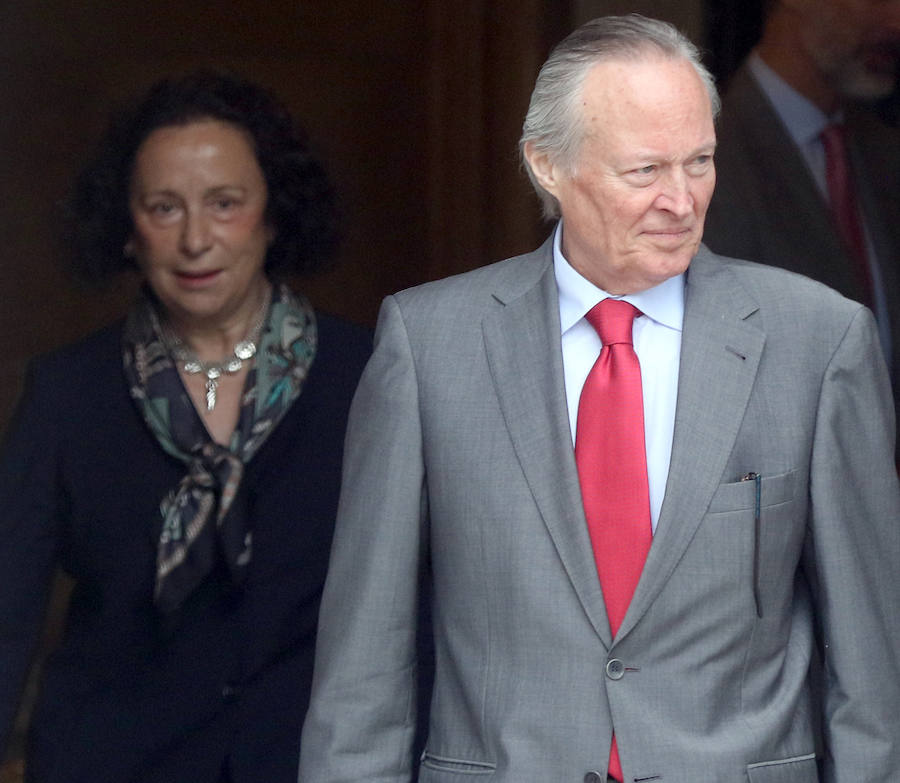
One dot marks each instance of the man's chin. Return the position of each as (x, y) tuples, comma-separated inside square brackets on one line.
[(663, 266)]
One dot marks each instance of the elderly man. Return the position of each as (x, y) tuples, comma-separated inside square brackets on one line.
[(644, 480), (808, 175)]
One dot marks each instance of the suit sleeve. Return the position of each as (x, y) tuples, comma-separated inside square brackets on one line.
[(361, 721), (853, 559), (28, 531)]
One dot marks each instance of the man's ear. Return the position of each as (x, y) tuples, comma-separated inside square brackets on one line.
[(544, 170)]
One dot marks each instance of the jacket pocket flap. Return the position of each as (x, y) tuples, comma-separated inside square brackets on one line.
[(740, 495)]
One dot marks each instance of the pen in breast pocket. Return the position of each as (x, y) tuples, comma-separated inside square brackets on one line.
[(757, 480)]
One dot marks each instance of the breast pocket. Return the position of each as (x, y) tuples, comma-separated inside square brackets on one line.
[(754, 527), (742, 495)]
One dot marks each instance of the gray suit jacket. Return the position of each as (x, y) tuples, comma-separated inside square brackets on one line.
[(767, 207), (459, 453)]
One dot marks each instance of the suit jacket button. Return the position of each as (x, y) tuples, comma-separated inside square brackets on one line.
[(593, 777), (615, 669), (229, 692)]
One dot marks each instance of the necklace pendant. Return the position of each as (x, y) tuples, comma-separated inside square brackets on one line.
[(191, 364), (245, 349), (212, 382)]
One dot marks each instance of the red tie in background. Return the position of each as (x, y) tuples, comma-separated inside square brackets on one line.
[(612, 465), (844, 207)]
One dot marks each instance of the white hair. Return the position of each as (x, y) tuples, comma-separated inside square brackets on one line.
[(553, 122)]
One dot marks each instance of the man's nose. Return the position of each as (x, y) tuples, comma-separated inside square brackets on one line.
[(675, 195)]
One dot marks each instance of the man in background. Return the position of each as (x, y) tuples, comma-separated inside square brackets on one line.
[(808, 173)]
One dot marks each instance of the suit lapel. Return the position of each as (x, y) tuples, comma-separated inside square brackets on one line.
[(522, 344), (719, 349), (784, 178)]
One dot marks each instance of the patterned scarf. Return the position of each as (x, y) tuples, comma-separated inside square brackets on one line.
[(203, 519)]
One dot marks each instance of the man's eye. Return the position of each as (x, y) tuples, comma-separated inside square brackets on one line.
[(700, 164), (646, 169)]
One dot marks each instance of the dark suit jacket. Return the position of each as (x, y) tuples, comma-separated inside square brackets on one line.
[(124, 698), (766, 205)]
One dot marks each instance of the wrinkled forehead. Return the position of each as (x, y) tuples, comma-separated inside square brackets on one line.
[(657, 105), (616, 86)]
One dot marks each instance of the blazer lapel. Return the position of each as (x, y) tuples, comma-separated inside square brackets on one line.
[(719, 348), (522, 344)]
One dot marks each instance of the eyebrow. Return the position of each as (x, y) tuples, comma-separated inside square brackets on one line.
[(164, 191), (651, 157)]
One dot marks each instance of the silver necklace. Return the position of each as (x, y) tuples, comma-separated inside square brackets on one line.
[(243, 351)]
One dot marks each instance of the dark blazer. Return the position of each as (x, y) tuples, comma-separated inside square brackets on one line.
[(226, 683), (766, 205)]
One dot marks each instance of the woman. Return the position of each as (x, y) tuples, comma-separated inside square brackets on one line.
[(182, 466)]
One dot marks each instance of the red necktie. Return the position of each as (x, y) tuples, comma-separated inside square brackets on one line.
[(612, 465), (844, 208)]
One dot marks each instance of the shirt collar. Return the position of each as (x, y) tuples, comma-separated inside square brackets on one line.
[(803, 120), (663, 303)]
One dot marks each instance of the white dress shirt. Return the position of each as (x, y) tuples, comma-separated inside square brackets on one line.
[(657, 343)]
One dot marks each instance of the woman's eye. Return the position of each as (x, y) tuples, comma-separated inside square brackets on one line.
[(163, 209)]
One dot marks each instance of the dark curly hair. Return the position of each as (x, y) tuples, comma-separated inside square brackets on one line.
[(300, 204)]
